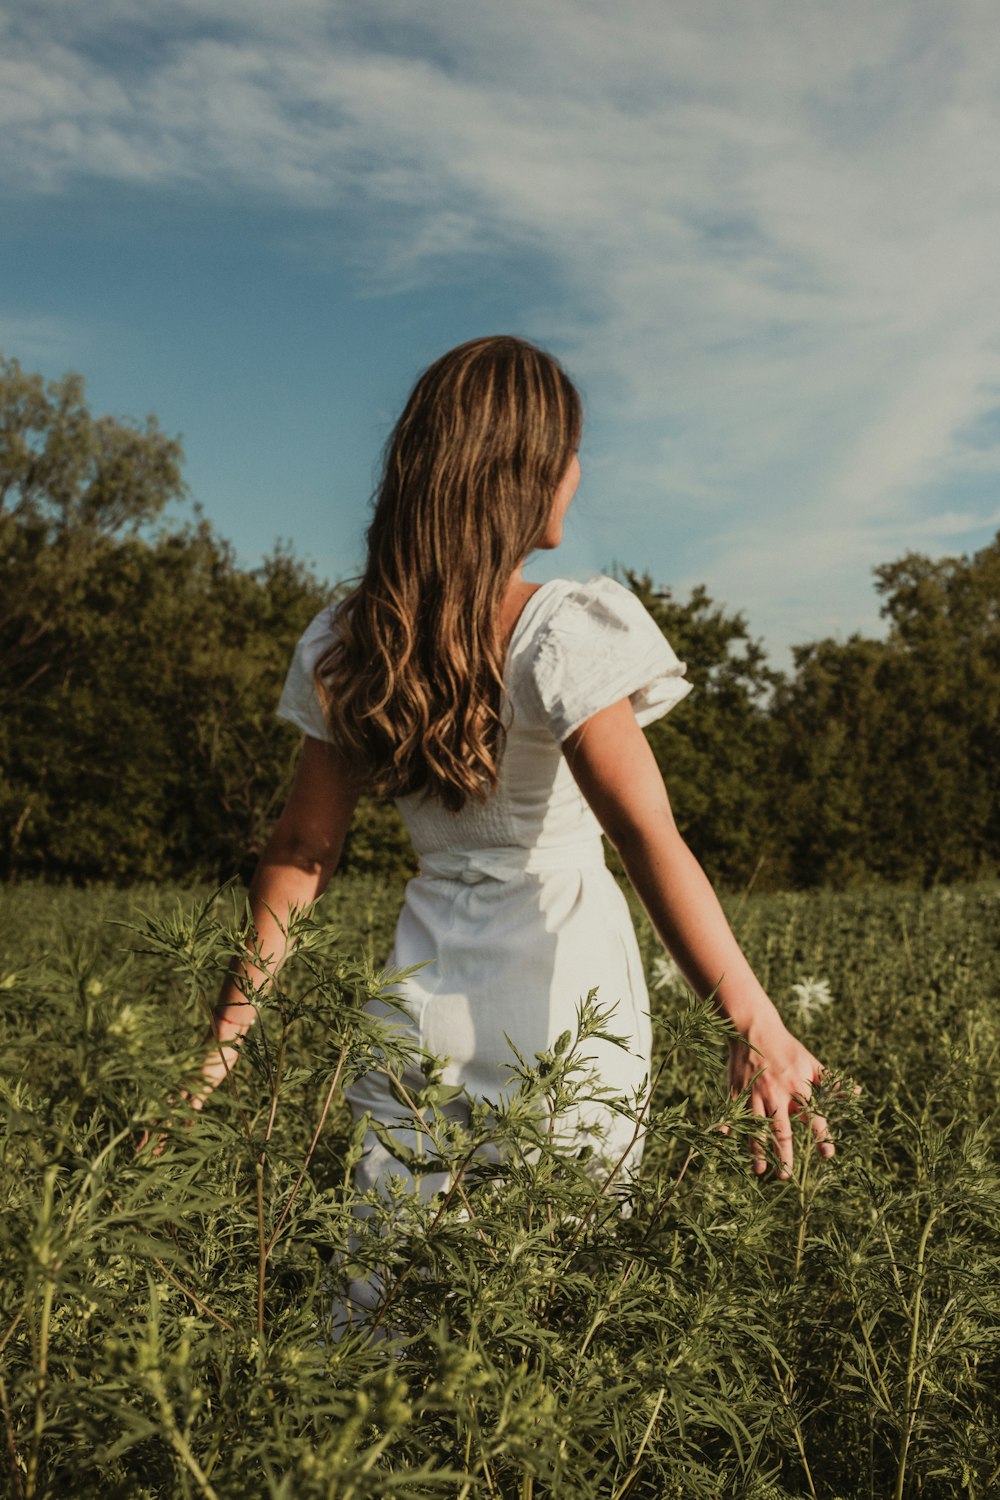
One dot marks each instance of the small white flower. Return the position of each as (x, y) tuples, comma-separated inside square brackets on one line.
[(665, 975), (812, 995)]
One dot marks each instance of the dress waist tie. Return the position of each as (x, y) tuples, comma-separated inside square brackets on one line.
[(471, 866)]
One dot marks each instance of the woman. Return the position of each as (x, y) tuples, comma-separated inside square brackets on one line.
[(505, 718)]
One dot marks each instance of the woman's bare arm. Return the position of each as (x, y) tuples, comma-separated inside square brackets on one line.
[(615, 769), (294, 869)]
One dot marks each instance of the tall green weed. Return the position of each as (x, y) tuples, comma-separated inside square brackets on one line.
[(170, 1324)]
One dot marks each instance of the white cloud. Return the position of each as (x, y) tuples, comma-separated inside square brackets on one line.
[(778, 225), (37, 339)]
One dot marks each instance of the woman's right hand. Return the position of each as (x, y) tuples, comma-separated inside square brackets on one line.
[(220, 1059), (219, 1063), (298, 860)]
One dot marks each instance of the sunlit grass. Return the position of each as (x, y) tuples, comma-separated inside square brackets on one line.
[(164, 1320)]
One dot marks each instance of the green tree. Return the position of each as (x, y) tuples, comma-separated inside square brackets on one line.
[(153, 750), (70, 484), (944, 619), (139, 667), (715, 749), (829, 735), (888, 762)]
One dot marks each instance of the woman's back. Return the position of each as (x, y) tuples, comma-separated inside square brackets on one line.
[(575, 648)]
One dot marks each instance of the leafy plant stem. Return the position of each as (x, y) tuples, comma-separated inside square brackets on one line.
[(665, 1201), (601, 1317), (199, 1303), (275, 1089), (41, 1382), (327, 1102), (629, 1479), (859, 1313), (784, 1384), (442, 1210), (42, 1343), (11, 1330), (805, 1206), (15, 1460), (422, 1124), (178, 1441), (897, 1279), (101, 1156), (623, 1158), (262, 1244), (911, 1362)]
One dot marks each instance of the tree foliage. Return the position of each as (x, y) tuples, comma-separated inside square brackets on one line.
[(70, 487), (140, 667), (888, 749), (714, 751)]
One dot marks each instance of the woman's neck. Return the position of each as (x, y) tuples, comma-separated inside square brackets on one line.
[(516, 596)]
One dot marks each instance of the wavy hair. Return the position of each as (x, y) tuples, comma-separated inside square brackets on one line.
[(412, 686)]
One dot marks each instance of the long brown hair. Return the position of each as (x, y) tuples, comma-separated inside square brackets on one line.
[(413, 684)]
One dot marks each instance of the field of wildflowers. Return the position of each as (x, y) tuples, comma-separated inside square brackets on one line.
[(165, 1320)]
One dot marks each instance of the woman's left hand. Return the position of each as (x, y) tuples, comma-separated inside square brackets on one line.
[(779, 1073), (616, 771)]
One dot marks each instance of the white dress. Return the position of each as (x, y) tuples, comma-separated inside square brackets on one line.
[(514, 914)]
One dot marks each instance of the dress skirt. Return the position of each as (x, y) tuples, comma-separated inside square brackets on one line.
[(508, 955)]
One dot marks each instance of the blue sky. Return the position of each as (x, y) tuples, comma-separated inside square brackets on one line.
[(762, 235)]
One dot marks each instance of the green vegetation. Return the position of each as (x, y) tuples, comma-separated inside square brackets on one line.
[(140, 667), (164, 1319)]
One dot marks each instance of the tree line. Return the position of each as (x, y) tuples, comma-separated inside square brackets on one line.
[(140, 666)]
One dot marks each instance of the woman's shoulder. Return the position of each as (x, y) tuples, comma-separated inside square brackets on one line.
[(592, 607), (585, 644), (598, 598), (299, 702), (321, 631)]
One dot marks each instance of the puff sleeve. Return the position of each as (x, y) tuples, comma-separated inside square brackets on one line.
[(299, 702), (600, 644)]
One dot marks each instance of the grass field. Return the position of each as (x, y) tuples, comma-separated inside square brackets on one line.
[(164, 1320)]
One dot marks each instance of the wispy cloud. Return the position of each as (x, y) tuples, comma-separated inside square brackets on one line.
[(43, 340), (776, 226)]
